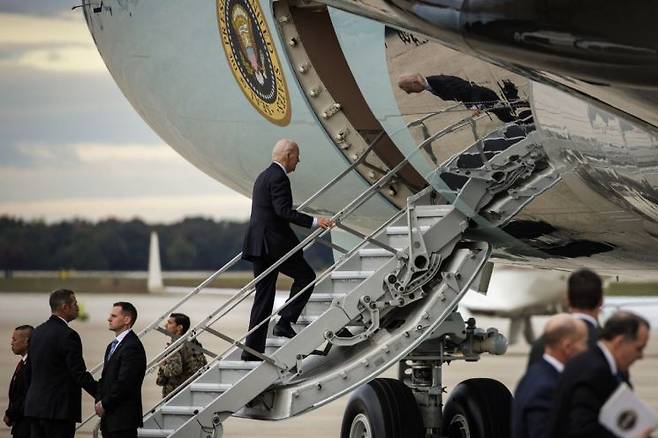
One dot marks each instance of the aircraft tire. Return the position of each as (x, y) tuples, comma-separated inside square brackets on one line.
[(478, 408), (382, 408)]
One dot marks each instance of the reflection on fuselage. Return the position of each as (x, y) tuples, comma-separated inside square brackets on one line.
[(441, 86)]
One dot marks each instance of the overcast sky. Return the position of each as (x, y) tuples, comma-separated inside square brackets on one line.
[(71, 145)]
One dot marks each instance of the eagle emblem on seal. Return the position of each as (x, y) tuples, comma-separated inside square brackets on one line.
[(252, 57)]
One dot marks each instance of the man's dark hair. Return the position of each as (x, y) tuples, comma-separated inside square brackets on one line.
[(623, 323), (585, 290), (181, 319), (127, 309), (59, 298), (28, 329)]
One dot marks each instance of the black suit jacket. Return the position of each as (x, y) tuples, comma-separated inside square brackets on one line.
[(537, 349), (17, 389), (584, 386), (269, 233), (533, 401), (455, 88), (55, 372), (120, 386)]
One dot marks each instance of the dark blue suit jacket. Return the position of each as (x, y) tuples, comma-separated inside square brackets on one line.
[(269, 233), (120, 386), (533, 400), (583, 388), (55, 372)]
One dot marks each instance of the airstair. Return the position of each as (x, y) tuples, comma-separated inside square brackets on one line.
[(377, 303)]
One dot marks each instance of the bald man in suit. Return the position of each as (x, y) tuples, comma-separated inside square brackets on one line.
[(269, 237)]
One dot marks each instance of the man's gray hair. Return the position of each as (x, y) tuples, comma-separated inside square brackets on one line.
[(282, 148)]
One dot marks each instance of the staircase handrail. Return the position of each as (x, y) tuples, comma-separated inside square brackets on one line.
[(246, 290)]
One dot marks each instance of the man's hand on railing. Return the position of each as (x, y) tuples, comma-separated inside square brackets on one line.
[(324, 222)]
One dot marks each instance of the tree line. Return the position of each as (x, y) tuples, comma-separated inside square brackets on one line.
[(114, 245)]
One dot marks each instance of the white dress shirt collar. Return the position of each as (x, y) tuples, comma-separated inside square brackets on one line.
[(559, 366), (24, 358), (65, 321), (608, 357), (122, 335), (281, 166), (586, 317)]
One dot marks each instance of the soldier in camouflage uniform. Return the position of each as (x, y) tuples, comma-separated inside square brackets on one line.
[(178, 367)]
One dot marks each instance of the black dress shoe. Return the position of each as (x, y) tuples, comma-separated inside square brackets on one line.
[(283, 330), (246, 356)]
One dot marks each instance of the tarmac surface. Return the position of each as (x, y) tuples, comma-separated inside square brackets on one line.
[(325, 422)]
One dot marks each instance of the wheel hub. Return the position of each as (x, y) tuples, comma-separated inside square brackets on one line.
[(361, 427)]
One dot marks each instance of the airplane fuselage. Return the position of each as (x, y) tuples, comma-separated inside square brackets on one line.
[(220, 82)]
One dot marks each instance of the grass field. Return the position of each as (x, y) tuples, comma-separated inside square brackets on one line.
[(112, 284)]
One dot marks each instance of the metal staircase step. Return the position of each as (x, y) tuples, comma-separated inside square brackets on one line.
[(230, 371), (398, 236), (154, 433), (437, 211), (318, 303), (375, 252), (345, 281), (372, 259), (209, 387), (180, 410), (402, 230), (350, 275)]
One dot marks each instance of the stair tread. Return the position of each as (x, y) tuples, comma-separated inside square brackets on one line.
[(376, 252), (154, 432), (432, 210), (180, 410), (209, 387), (321, 297), (404, 229), (237, 365), (351, 275)]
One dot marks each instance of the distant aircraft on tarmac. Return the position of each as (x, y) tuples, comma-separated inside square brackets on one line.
[(440, 136)]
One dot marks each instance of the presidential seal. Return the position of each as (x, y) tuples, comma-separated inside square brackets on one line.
[(252, 57)]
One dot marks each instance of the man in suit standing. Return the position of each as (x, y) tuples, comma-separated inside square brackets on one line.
[(564, 338), (590, 378), (269, 237), (56, 371), (585, 296), (119, 397), (20, 427)]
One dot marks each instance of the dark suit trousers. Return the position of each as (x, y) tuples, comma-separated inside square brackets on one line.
[(301, 273), (21, 429), (42, 428)]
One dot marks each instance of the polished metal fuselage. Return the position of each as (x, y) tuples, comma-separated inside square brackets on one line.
[(168, 60)]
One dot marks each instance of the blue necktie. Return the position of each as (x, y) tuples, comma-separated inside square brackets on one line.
[(113, 346)]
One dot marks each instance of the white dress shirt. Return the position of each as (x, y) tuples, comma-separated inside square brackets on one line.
[(586, 317), (120, 337), (559, 366), (608, 357)]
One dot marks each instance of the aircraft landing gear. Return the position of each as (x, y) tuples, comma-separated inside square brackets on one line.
[(382, 408), (411, 406)]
